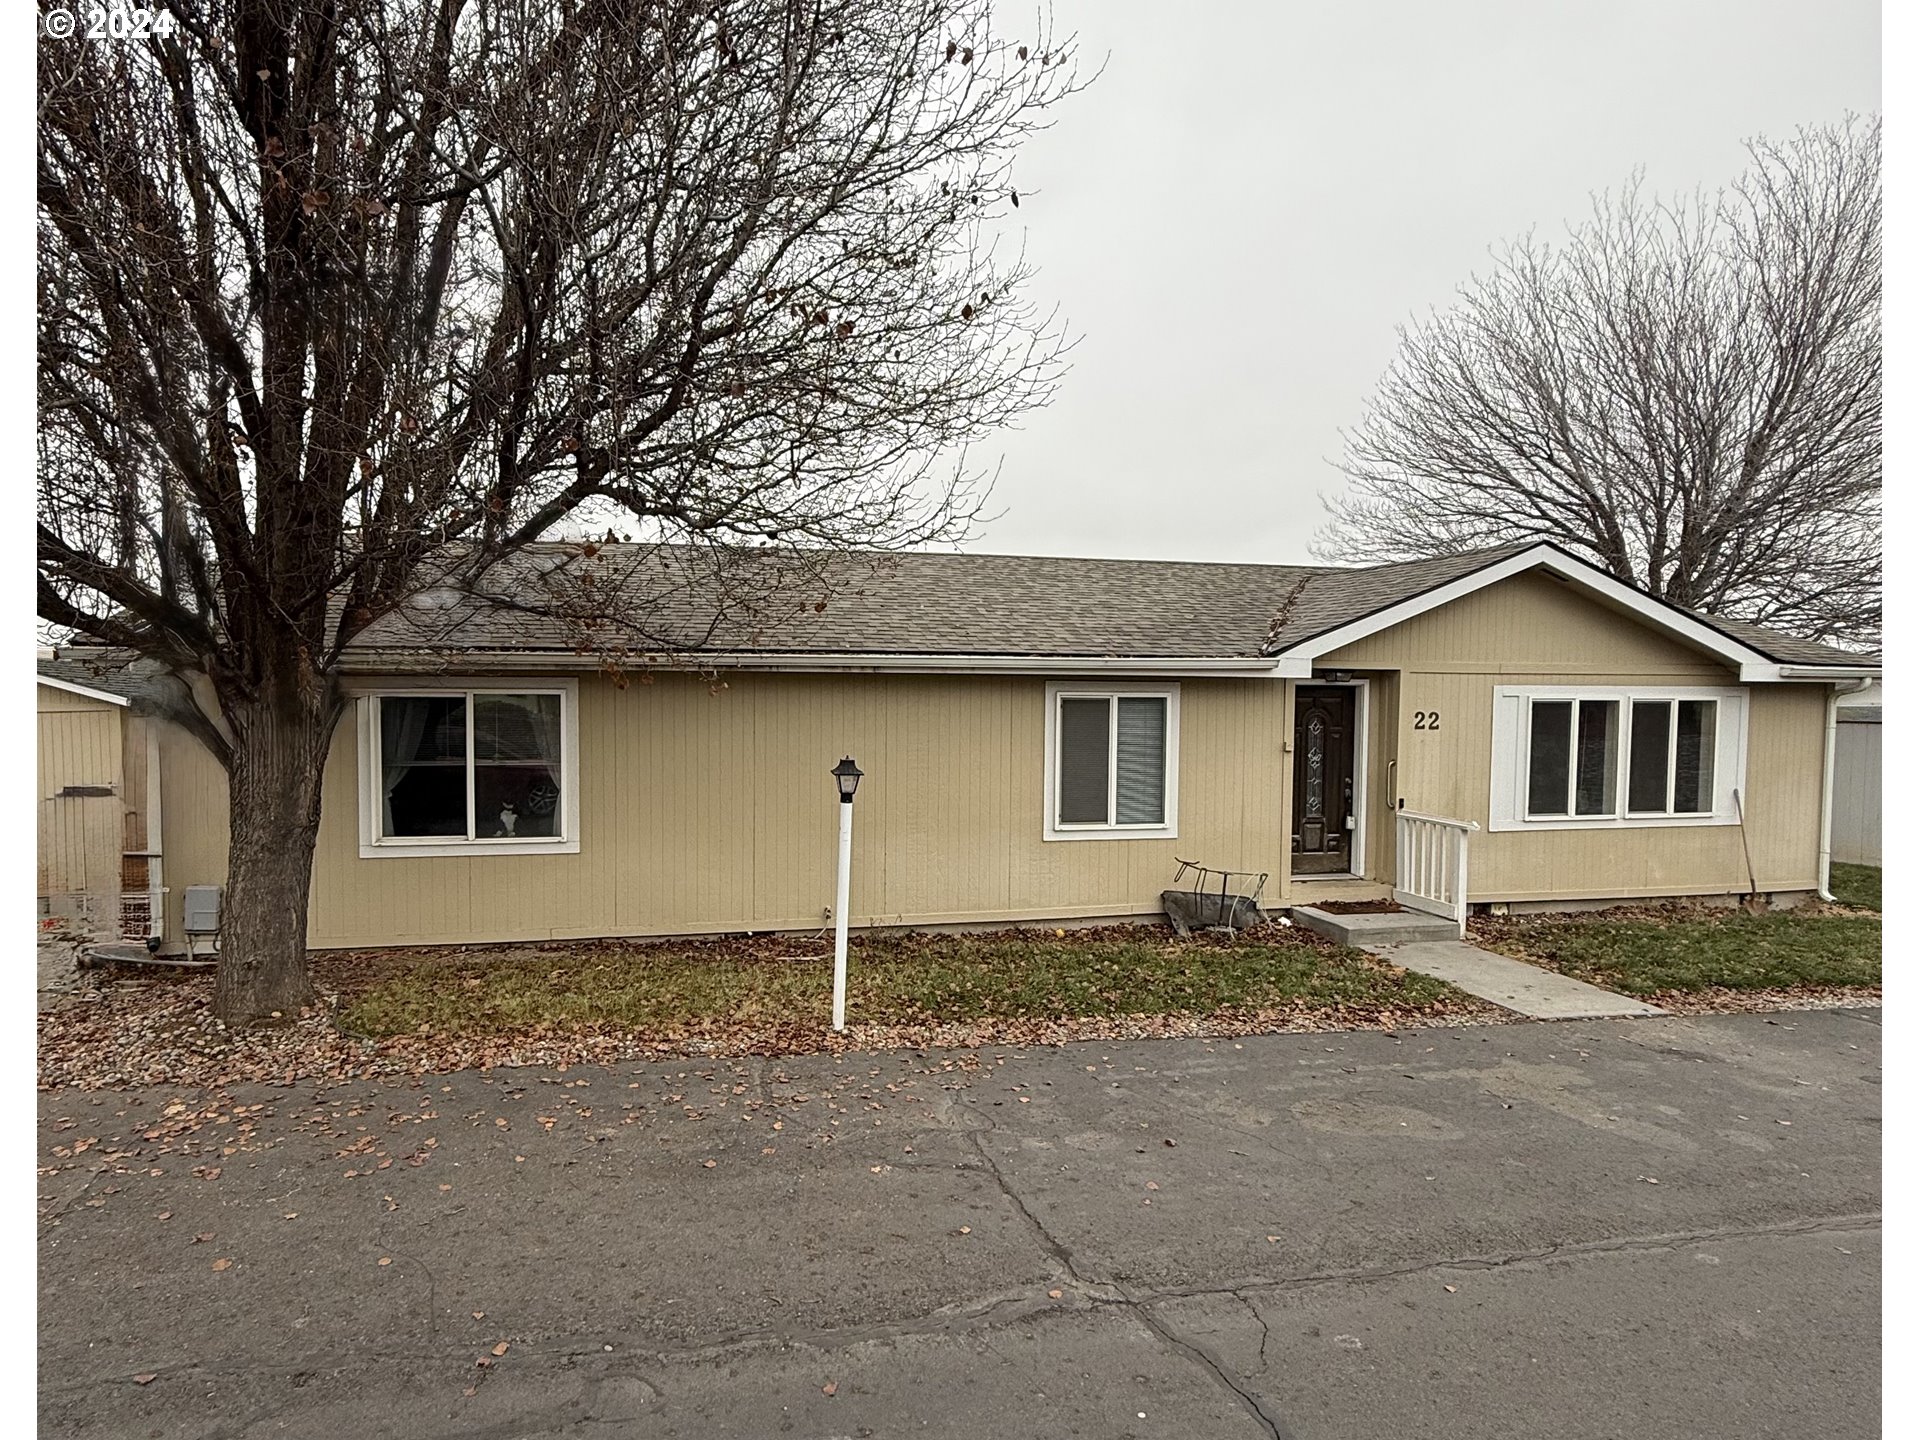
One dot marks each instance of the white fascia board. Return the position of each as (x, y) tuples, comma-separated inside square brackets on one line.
[(1656, 613), (73, 689), (549, 661)]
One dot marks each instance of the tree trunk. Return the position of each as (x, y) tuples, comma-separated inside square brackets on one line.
[(279, 749)]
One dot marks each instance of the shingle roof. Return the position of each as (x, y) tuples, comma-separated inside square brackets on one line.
[(1785, 649), (915, 604), (103, 670), (929, 604)]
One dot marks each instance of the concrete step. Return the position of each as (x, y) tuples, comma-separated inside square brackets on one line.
[(1402, 927)]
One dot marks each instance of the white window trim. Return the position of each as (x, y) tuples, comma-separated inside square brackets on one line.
[(1512, 709), (1057, 690), (567, 842)]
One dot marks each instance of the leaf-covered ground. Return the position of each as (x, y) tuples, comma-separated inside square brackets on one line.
[(1686, 957), (435, 1010)]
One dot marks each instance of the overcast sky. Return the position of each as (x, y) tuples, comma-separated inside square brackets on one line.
[(1235, 217)]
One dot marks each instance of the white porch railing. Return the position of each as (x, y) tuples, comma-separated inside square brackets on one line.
[(1430, 865)]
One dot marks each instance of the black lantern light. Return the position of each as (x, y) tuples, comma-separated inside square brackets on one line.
[(847, 776)]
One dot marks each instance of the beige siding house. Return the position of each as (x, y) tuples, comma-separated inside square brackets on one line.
[(1043, 741)]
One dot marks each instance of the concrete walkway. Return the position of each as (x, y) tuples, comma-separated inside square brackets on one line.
[(1531, 991)]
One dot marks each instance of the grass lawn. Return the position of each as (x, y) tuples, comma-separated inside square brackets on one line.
[(768, 983), (1689, 949), (1856, 885)]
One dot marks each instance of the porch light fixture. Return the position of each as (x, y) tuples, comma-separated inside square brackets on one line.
[(847, 775), (846, 779), (1336, 677)]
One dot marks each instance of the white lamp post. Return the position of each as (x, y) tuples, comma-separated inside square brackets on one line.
[(846, 776)]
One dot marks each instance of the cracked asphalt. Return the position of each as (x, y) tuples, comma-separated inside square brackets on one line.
[(1646, 1228)]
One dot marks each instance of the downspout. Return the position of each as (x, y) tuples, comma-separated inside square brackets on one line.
[(1834, 692)]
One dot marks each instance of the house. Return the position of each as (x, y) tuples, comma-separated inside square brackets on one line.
[(1042, 740)]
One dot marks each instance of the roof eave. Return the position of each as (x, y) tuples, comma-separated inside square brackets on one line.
[(401, 662), (88, 691)]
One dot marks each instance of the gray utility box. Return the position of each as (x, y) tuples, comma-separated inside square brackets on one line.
[(202, 910)]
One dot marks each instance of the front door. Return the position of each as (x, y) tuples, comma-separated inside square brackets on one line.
[(1323, 780)]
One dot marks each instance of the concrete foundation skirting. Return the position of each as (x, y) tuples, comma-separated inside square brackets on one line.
[(1776, 900)]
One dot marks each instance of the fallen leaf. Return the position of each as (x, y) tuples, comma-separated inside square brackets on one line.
[(829, 1388), (964, 1230), (164, 1215), (479, 1314), (1273, 1239), (1169, 1143), (708, 1164), (386, 1259), (146, 1379), (1453, 1289), (221, 1264), (201, 1238), (501, 1348), (1053, 1294)]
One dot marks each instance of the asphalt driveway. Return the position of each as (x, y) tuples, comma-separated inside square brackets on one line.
[(1664, 1227)]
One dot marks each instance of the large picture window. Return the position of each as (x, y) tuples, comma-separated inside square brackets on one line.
[(1578, 756), (473, 769), (1110, 762)]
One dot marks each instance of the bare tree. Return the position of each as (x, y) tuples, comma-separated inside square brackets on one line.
[(1688, 393), (340, 299)]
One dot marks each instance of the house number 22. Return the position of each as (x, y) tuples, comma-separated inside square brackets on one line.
[(1426, 719)]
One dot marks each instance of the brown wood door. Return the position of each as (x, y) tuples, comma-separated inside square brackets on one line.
[(1322, 779)]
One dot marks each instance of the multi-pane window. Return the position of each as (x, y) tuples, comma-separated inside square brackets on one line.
[(473, 767), (1111, 760), (1617, 755)]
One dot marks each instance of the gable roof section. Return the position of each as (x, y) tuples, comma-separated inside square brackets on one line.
[(1758, 654)]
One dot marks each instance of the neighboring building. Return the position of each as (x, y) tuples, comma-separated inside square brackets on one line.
[(1856, 778), (99, 783), (1042, 738)]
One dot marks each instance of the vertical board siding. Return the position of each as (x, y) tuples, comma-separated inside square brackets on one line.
[(1534, 630), (1856, 792), (710, 808), (193, 821), (79, 836)]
